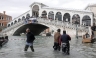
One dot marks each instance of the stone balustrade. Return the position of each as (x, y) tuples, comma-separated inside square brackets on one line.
[(62, 24), (51, 22)]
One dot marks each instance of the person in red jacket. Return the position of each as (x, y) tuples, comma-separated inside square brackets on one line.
[(56, 40)]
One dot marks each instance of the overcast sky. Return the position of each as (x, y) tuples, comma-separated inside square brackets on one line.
[(15, 8)]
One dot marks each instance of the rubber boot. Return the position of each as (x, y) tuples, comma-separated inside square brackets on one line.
[(26, 48), (32, 49)]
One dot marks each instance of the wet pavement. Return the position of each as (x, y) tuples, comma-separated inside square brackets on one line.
[(43, 49)]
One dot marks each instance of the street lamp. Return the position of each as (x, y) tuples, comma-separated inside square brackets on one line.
[(76, 22), (76, 29)]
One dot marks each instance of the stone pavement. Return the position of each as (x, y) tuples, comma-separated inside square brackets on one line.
[(43, 49)]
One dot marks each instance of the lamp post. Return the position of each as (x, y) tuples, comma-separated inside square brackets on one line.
[(76, 29), (76, 22)]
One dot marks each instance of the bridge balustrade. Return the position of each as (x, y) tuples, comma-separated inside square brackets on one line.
[(13, 26), (60, 23), (51, 22)]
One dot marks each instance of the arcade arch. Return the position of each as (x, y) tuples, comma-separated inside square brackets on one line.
[(86, 20), (51, 15), (44, 14), (35, 11), (76, 19), (66, 17), (15, 22), (58, 16), (12, 23), (27, 16), (8, 25), (23, 18), (19, 20)]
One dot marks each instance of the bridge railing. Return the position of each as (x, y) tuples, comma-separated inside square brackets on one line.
[(62, 24), (13, 26), (47, 21)]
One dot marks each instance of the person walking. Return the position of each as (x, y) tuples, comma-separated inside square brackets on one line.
[(56, 40), (29, 41), (65, 38)]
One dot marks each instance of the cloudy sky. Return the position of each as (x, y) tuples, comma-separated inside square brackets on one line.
[(15, 8)]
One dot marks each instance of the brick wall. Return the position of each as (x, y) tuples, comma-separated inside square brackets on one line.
[(4, 19)]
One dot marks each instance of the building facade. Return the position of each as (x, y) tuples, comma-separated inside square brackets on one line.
[(4, 19), (92, 8)]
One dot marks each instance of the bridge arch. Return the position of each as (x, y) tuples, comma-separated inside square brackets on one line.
[(51, 15), (58, 16), (76, 19), (86, 20), (35, 11), (44, 14), (66, 17), (33, 28)]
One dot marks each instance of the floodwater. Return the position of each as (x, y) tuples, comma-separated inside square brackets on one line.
[(44, 48)]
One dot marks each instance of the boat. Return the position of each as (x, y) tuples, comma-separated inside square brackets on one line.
[(3, 41), (86, 40), (22, 34), (90, 39)]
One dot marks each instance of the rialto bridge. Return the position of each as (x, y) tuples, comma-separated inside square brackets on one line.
[(66, 18)]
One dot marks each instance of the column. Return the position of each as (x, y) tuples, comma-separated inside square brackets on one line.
[(71, 19), (62, 17), (91, 20), (81, 17), (31, 11)]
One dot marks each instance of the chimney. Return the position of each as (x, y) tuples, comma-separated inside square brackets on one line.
[(4, 12)]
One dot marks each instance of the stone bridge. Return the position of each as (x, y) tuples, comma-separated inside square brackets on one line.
[(50, 18)]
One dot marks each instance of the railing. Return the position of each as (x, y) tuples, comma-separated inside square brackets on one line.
[(13, 26), (62, 24), (51, 22)]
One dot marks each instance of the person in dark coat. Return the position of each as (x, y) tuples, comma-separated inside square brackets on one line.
[(30, 39), (93, 28), (6, 37), (65, 38)]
